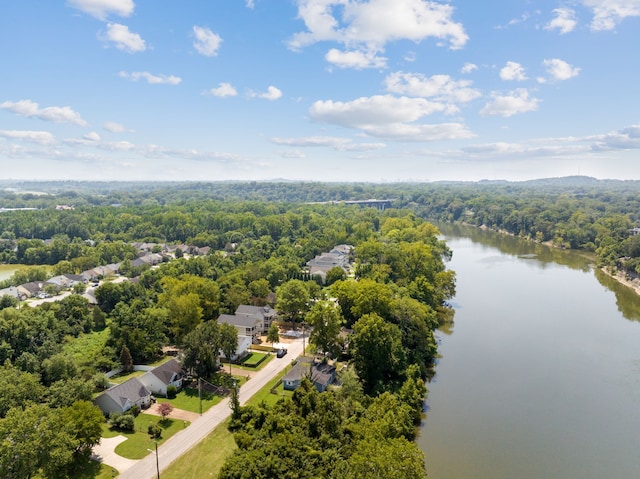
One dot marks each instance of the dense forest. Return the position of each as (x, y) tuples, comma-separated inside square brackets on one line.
[(572, 212), (259, 237), (257, 252)]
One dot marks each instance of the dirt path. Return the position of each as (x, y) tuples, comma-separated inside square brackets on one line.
[(175, 414)]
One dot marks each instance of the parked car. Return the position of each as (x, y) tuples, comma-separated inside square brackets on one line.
[(281, 353)]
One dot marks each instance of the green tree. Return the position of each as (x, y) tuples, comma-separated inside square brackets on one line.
[(201, 349), (125, 359), (378, 355), (18, 389), (293, 300), (228, 341), (326, 322), (273, 333)]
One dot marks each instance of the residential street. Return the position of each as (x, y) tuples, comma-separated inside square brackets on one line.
[(184, 440)]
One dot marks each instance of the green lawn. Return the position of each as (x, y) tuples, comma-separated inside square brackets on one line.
[(187, 399), (138, 442), (206, 458), (265, 393), (254, 359), (120, 378)]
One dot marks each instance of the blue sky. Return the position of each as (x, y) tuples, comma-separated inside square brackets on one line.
[(323, 90)]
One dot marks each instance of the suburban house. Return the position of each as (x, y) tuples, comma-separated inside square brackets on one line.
[(320, 374), (14, 292), (29, 290), (150, 259), (246, 325), (244, 343), (266, 314), (167, 374), (100, 272), (338, 257), (123, 397)]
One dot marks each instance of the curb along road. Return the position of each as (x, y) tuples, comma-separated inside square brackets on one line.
[(184, 440)]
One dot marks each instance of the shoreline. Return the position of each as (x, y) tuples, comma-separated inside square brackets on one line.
[(622, 278), (619, 276)]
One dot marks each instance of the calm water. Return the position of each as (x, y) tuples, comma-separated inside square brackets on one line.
[(540, 375), (7, 270)]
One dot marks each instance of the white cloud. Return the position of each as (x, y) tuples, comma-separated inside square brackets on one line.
[(56, 114), (92, 136), (152, 79), (513, 71), (250, 4), (123, 39), (100, 9), (379, 109), (206, 42), (564, 20), (337, 143), (114, 127), (312, 141), (223, 90), (420, 132), (40, 137), (625, 139), (292, 154), (272, 93), (93, 142), (517, 101), (387, 116), (468, 68), (369, 26), (560, 70), (355, 59), (439, 87), (608, 13)]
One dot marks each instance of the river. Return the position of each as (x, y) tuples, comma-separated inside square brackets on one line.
[(540, 375)]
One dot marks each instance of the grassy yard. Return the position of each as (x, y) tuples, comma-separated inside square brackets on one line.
[(206, 458), (122, 377), (138, 442), (187, 399), (265, 393)]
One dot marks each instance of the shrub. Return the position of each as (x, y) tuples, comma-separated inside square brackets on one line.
[(124, 422), (135, 410), (171, 391), (155, 431)]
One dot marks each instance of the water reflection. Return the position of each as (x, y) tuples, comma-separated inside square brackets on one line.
[(627, 299), (519, 247)]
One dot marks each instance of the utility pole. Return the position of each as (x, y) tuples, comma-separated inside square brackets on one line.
[(157, 463), (200, 394)]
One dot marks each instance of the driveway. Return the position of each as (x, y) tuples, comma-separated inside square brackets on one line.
[(105, 452)]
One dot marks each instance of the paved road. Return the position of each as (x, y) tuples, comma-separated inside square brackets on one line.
[(184, 440)]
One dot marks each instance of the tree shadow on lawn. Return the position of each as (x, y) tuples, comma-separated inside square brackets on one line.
[(139, 442)]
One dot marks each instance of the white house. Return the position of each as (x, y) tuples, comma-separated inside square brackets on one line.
[(167, 374), (244, 343)]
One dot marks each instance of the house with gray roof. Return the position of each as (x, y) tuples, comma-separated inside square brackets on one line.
[(160, 378), (123, 397), (14, 292), (321, 374), (246, 325), (266, 315)]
